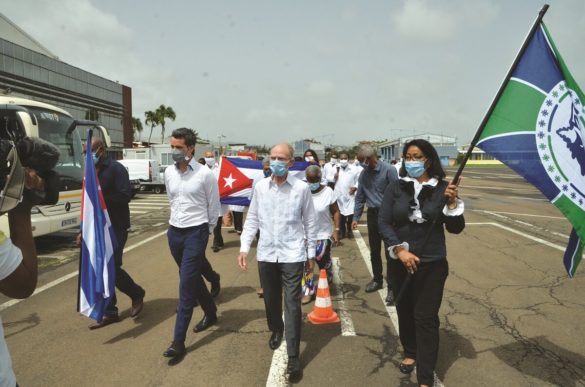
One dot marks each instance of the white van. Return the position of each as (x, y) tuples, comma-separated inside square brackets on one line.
[(147, 172)]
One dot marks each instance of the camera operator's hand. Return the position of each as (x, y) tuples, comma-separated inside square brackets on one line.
[(32, 180), (78, 240)]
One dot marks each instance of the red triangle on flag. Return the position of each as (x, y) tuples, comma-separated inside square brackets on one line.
[(231, 179)]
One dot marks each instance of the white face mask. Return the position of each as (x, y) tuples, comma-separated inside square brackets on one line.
[(333, 161), (308, 159), (210, 161), (343, 163)]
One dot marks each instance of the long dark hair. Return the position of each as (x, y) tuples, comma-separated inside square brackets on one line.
[(313, 153), (434, 167)]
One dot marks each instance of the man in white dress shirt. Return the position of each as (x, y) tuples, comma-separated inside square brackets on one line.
[(194, 197), (282, 209)]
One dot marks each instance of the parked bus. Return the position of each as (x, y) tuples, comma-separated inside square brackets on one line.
[(55, 125)]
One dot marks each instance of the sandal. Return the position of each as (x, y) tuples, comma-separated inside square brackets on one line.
[(406, 368)]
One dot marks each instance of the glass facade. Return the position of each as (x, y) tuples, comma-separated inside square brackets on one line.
[(29, 74)]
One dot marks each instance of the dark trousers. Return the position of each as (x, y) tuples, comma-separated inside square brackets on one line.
[(124, 282), (217, 238), (274, 277), (238, 220), (375, 240), (345, 226), (187, 246), (206, 269), (418, 313)]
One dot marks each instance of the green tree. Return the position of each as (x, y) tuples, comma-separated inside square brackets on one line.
[(152, 120), (137, 127), (163, 112)]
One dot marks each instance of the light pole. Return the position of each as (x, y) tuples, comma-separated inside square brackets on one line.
[(219, 137)]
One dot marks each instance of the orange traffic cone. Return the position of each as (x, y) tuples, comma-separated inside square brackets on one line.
[(323, 312)]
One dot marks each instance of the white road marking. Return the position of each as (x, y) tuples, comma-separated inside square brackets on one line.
[(463, 185), (277, 373), (347, 328), (499, 215), (391, 310), (521, 214), (56, 282), (138, 212), (527, 236)]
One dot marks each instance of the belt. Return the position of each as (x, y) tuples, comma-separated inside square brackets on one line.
[(185, 229)]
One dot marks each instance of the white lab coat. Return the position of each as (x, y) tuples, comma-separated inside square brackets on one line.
[(348, 178)]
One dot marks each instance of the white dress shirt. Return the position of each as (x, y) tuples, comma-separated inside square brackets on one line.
[(193, 194), (285, 216)]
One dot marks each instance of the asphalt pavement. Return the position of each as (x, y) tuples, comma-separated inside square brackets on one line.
[(510, 315)]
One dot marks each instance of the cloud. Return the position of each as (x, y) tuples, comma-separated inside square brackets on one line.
[(86, 37), (419, 21), (320, 87)]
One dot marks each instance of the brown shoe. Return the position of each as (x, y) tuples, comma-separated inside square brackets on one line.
[(106, 320), (137, 305)]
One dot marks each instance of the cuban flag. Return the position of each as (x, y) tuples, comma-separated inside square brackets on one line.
[(237, 177), (97, 272), (537, 128)]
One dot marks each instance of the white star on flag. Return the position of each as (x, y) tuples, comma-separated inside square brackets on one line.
[(229, 181)]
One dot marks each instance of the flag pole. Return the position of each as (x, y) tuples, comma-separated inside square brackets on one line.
[(475, 139)]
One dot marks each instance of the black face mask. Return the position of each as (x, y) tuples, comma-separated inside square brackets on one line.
[(267, 173)]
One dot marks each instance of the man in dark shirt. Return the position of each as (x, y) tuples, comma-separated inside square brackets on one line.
[(115, 184), (372, 183)]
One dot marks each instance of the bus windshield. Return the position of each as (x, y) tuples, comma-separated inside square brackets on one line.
[(53, 127)]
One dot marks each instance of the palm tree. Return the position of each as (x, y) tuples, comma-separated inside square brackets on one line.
[(164, 112), (137, 127), (152, 120)]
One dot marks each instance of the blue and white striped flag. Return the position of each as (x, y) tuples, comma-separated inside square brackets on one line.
[(97, 270)]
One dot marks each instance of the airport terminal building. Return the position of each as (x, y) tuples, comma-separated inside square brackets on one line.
[(29, 70)]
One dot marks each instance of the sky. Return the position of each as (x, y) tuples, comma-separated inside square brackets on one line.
[(263, 72)]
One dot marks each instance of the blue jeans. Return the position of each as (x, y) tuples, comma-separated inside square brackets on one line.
[(187, 246)]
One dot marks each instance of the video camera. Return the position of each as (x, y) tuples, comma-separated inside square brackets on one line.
[(17, 150)]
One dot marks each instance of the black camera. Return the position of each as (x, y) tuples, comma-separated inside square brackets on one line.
[(33, 153)]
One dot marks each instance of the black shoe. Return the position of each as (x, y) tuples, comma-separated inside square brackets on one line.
[(293, 369), (177, 349), (215, 248), (137, 305), (106, 320), (406, 368), (215, 288), (275, 340), (390, 298), (373, 286), (205, 323)]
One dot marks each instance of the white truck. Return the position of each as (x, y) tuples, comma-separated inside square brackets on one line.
[(147, 171), (55, 125)]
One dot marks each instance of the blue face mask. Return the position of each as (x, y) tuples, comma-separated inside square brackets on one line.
[(415, 168), (364, 164), (96, 158), (314, 186), (267, 173), (278, 168)]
